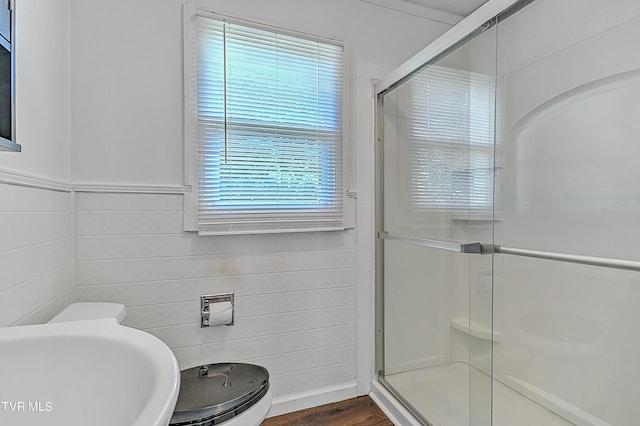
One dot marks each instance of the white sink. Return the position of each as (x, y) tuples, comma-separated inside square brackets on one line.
[(93, 372)]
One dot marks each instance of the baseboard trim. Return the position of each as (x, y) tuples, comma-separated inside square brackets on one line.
[(303, 400), (393, 409)]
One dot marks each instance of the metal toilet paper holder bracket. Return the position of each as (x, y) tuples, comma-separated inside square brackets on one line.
[(205, 311)]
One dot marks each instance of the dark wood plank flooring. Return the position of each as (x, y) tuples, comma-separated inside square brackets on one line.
[(360, 411)]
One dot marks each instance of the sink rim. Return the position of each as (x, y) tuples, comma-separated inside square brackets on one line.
[(162, 399)]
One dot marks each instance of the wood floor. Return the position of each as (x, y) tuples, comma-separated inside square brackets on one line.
[(360, 411)]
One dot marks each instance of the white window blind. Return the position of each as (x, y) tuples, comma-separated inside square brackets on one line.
[(268, 130), (451, 134)]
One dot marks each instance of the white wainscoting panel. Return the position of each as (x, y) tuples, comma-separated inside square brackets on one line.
[(295, 294), (34, 254)]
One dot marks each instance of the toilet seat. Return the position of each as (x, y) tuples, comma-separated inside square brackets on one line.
[(215, 393)]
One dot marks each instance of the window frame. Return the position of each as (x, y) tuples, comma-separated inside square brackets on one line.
[(9, 48), (191, 162)]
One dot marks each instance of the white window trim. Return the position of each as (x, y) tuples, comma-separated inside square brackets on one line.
[(190, 211)]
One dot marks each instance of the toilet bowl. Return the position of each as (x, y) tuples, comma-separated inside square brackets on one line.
[(227, 394)]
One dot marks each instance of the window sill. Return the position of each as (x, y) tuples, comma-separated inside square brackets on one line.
[(267, 231), (7, 145)]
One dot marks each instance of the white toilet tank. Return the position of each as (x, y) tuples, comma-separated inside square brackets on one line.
[(91, 310)]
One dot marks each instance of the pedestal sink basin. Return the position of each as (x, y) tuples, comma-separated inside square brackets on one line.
[(93, 372)]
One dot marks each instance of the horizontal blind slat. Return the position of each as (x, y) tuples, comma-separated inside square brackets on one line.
[(280, 163)]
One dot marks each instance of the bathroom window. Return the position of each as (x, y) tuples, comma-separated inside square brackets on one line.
[(451, 133), (263, 127)]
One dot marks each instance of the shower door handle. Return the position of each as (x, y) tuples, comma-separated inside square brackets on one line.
[(469, 248), (483, 248), (604, 262), (477, 248)]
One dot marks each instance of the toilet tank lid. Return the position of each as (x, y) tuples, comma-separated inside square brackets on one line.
[(91, 310)]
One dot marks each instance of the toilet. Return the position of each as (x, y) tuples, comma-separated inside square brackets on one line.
[(227, 394)]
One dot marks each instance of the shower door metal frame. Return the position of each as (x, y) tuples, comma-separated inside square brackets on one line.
[(381, 236), (476, 23), (379, 262), (461, 33), (379, 249)]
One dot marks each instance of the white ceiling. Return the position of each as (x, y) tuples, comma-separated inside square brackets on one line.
[(456, 7), (449, 11)]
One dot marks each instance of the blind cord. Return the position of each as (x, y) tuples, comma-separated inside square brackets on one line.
[(224, 72)]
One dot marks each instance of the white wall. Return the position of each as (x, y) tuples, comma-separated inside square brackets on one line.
[(35, 213), (304, 301), (34, 254), (42, 91), (99, 117), (126, 64), (295, 297)]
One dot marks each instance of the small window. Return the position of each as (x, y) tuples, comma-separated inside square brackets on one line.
[(264, 128)]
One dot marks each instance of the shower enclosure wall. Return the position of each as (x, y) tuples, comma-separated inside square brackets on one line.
[(509, 209)]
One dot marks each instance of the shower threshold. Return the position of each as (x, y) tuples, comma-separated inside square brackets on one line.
[(449, 394)]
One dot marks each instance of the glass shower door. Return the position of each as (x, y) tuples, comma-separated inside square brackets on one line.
[(569, 76), (437, 183), (525, 139)]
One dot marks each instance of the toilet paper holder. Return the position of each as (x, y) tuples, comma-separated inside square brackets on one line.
[(208, 309)]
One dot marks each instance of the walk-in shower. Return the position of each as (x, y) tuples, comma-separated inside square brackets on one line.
[(508, 218)]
